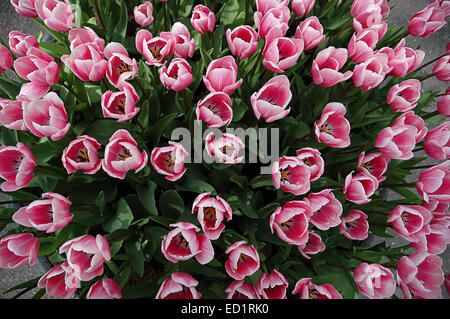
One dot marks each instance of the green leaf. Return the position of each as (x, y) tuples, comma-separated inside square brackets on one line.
[(122, 219), (171, 204), (206, 58), (10, 86), (158, 128), (9, 137), (103, 129), (133, 248), (46, 246), (146, 195), (194, 185), (233, 13), (120, 27), (53, 49)]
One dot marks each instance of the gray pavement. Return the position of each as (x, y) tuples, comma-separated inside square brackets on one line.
[(403, 10)]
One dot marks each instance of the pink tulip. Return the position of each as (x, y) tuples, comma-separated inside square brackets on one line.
[(374, 281), (272, 286), (47, 215), (87, 62), (120, 66), (444, 5), (183, 243), (211, 212), (58, 283), (397, 142), (271, 100), (422, 274), (16, 167), (105, 289), (82, 154), (263, 6), (362, 7), (215, 109), (155, 49), (359, 188), (370, 15), (438, 209), (56, 14), (221, 75), (11, 115), (326, 66), (326, 209), (79, 36), (179, 286), (291, 222), (302, 7), (443, 104), (403, 96), (25, 8), (313, 246), (311, 32), (203, 19), (20, 42), (402, 60), (122, 155), (242, 41), (240, 289), (169, 160), (280, 53), (361, 45), (275, 17), (292, 175), (312, 158), (225, 149), (178, 76), (409, 221), (333, 128), (309, 290), (46, 117), (85, 256), (437, 142), (427, 21), (411, 119), (143, 14), (184, 45), (435, 238), (120, 105), (434, 183), (354, 226), (441, 69), (369, 74), (375, 164), (243, 260), (18, 249)]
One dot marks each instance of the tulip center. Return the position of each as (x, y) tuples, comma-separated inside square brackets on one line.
[(124, 67), (285, 226), (313, 293), (210, 214), (124, 154), (169, 162), (213, 108), (227, 150), (238, 295), (242, 258), (308, 162), (18, 161), (351, 224), (83, 155), (285, 174), (181, 241), (156, 52), (367, 166), (120, 106), (325, 128), (404, 217)]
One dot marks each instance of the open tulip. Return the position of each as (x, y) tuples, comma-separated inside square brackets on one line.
[(411, 119), (79, 36), (203, 19), (313, 245), (143, 14), (87, 62), (441, 69), (403, 97), (275, 17), (178, 76), (25, 8), (309, 290), (242, 41), (184, 45), (374, 281), (434, 183), (375, 164), (333, 128), (402, 60), (58, 283), (359, 188), (240, 289), (409, 221), (354, 225), (313, 159), (16, 167), (215, 109), (272, 286), (243, 260), (18, 249), (326, 66), (370, 73), (225, 149), (120, 66), (302, 7), (437, 142), (169, 160), (326, 210), (221, 75), (292, 175), (311, 32), (370, 16), (56, 14), (82, 154), (178, 286), (20, 42), (427, 21), (105, 289), (155, 49), (361, 45), (397, 142), (435, 238), (11, 115), (120, 105)]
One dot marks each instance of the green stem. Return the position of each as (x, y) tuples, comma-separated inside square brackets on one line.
[(305, 89), (397, 185), (6, 202), (430, 62), (345, 27), (400, 36), (376, 108), (339, 266), (70, 90), (166, 22), (346, 92), (98, 16)]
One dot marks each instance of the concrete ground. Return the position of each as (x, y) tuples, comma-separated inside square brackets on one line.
[(403, 10)]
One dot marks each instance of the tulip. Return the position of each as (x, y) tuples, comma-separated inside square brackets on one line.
[(361, 45), (105, 289), (87, 62), (155, 49), (242, 41), (82, 154), (263, 6), (434, 183), (369, 74), (182, 243), (325, 208), (79, 36), (422, 274), (292, 175), (313, 246), (46, 117), (243, 260), (25, 8), (397, 142), (302, 7), (184, 45), (16, 167), (143, 14), (225, 149), (375, 164), (169, 160), (437, 208), (122, 155), (291, 222), (120, 66), (441, 69), (360, 187), (178, 76), (11, 115), (427, 21), (215, 109), (120, 105), (47, 215), (409, 221), (374, 281), (271, 100), (178, 286), (203, 19), (239, 289), (403, 97), (311, 32), (18, 249), (275, 17), (19, 43), (444, 5), (272, 286), (85, 256), (56, 14), (370, 15), (443, 104), (58, 283), (309, 290), (437, 142), (221, 75), (354, 226), (435, 238), (411, 119), (311, 158), (333, 128), (402, 60), (326, 66)]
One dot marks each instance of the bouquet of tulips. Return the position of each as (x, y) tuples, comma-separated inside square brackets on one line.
[(224, 149)]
